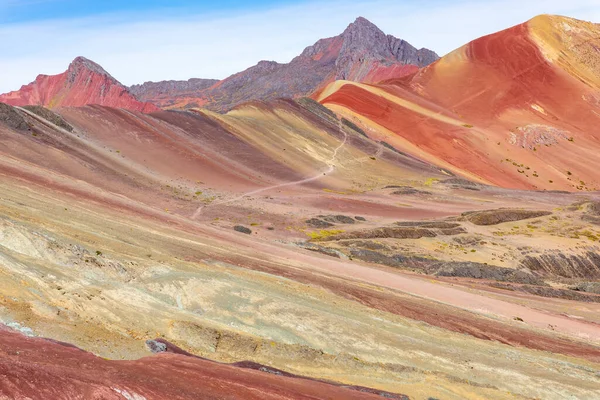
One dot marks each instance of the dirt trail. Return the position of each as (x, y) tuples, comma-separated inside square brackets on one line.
[(319, 175)]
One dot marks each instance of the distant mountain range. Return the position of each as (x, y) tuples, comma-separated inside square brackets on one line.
[(361, 53), (517, 108)]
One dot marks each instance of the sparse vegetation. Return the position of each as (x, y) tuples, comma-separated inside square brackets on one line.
[(430, 181), (324, 234)]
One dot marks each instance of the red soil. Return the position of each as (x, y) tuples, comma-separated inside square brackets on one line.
[(36, 368), (381, 72), (497, 85)]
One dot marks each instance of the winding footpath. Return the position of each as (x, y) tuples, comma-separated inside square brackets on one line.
[(330, 169)]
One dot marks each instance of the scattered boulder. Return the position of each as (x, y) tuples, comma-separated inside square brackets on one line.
[(156, 346), (242, 229), (360, 218)]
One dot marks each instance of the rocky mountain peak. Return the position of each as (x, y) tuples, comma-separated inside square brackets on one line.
[(362, 28), (363, 41), (82, 65)]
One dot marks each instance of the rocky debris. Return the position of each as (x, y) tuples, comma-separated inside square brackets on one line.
[(318, 223), (589, 287), (11, 118), (365, 244), (242, 229), (556, 263), (364, 42), (494, 217), (385, 232), (50, 116), (482, 271), (380, 258), (327, 221), (461, 269), (402, 230), (545, 291), (407, 190), (359, 218), (167, 89), (155, 346), (440, 227), (392, 148), (338, 219), (318, 109), (535, 135), (594, 208), (352, 126), (461, 183), (430, 224), (321, 249), (592, 213)]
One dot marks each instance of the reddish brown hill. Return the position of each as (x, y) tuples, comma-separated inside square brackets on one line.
[(519, 108), (362, 53), (84, 82)]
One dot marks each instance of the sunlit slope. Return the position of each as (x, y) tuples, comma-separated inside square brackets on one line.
[(312, 145), (180, 161), (519, 108)]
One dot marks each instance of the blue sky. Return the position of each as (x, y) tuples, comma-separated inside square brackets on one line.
[(141, 40), (30, 10)]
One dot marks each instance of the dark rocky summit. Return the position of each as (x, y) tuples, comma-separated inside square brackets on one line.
[(358, 54)]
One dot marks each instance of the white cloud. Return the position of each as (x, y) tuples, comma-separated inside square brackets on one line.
[(136, 48)]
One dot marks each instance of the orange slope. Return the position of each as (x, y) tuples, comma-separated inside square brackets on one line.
[(519, 108)]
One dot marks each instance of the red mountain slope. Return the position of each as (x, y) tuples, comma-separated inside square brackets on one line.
[(519, 108), (84, 82)]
